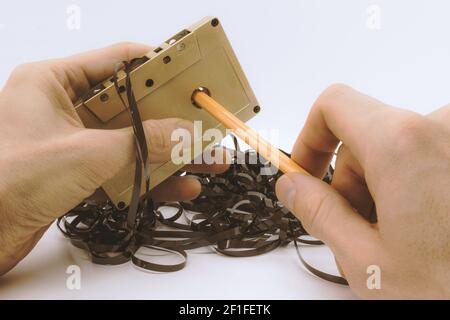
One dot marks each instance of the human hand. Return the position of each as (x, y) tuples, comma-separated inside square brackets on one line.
[(390, 159), (49, 162)]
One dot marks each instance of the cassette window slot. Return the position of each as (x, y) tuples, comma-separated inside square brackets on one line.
[(199, 56), (180, 35)]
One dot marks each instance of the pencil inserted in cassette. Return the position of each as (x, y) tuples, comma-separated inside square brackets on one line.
[(163, 81)]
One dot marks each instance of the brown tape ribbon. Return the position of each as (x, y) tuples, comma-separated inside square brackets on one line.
[(237, 214)]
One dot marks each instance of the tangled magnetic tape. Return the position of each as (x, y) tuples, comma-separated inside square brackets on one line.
[(237, 213)]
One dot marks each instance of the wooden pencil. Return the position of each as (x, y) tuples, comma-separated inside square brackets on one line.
[(247, 134)]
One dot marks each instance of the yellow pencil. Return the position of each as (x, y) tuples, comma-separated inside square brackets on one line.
[(248, 135)]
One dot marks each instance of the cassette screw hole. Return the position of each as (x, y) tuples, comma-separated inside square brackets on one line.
[(121, 205), (149, 83), (104, 97), (215, 22), (167, 59), (256, 109)]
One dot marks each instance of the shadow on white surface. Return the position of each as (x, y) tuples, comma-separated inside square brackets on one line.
[(276, 275)]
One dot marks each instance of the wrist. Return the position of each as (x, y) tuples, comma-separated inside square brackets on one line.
[(16, 240), (13, 251)]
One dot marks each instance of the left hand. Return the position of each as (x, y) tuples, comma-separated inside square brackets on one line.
[(49, 162)]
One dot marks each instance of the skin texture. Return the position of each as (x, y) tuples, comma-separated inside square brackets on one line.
[(390, 159), (49, 162)]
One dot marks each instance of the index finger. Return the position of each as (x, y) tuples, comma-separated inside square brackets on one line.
[(339, 114), (80, 72)]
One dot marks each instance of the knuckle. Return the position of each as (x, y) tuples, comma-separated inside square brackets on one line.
[(23, 70), (411, 124), (336, 90), (314, 213), (410, 133), (332, 93), (28, 71), (124, 44), (158, 135), (130, 49)]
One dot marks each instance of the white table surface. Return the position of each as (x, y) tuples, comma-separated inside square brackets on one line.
[(290, 51), (207, 275)]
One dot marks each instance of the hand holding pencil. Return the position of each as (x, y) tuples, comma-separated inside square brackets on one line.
[(371, 172)]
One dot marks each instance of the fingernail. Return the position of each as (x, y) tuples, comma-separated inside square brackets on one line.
[(286, 191)]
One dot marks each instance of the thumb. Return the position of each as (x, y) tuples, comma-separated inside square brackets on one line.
[(326, 215), (113, 150)]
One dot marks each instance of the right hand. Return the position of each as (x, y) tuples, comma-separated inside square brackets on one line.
[(390, 159)]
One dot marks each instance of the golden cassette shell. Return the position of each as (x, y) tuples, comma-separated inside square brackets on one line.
[(163, 83)]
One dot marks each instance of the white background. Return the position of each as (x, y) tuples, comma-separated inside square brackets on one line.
[(291, 51)]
